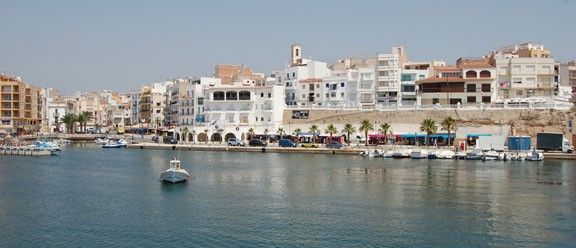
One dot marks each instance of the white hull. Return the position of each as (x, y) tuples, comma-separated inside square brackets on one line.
[(174, 176)]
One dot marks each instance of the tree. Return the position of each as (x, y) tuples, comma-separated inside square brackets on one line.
[(314, 130), (185, 133), (219, 131), (280, 132), (69, 120), (449, 125), (297, 132), (348, 129), (251, 133), (366, 126), (384, 129), (429, 127), (330, 129), (83, 119)]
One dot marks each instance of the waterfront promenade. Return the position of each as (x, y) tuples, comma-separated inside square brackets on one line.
[(354, 149)]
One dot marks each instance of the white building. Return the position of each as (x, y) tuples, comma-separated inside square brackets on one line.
[(231, 110), (412, 72), (567, 78), (525, 77), (302, 70), (388, 70)]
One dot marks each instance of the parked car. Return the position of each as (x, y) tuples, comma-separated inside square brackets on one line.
[(286, 143), (256, 142), (334, 144), (308, 145), (236, 142)]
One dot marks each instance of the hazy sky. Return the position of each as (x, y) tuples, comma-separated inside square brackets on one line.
[(120, 45)]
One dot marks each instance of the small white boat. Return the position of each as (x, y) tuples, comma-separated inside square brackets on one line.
[(116, 144), (491, 155), (174, 173), (387, 154), (460, 155), (447, 154), (535, 156), (401, 153), (475, 154), (419, 154)]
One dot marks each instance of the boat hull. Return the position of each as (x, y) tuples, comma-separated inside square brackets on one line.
[(174, 176)]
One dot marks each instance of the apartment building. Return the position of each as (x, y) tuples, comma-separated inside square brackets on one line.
[(21, 106), (567, 77), (471, 81), (521, 77), (388, 72), (298, 77)]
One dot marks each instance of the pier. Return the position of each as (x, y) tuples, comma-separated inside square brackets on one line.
[(23, 151)]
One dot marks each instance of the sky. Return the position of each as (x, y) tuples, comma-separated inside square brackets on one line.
[(121, 45)]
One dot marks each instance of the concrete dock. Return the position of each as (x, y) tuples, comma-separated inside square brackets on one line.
[(346, 150), (23, 151)]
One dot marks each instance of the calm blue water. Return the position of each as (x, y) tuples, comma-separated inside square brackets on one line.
[(91, 197)]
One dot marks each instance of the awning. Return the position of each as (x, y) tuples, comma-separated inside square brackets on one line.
[(474, 135)]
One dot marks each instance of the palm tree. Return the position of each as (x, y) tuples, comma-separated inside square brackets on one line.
[(429, 127), (81, 118), (280, 132), (219, 131), (185, 133), (69, 120), (330, 129), (266, 135), (384, 128), (314, 130), (87, 117), (449, 125), (348, 129), (297, 132), (366, 126), (251, 133)]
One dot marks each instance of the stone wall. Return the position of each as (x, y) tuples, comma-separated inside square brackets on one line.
[(505, 122)]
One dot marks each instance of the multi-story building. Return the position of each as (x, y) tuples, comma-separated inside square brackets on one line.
[(21, 106), (228, 74), (411, 72), (388, 71), (134, 107), (351, 83), (470, 82), (298, 78), (567, 78), (152, 104), (521, 77), (525, 50)]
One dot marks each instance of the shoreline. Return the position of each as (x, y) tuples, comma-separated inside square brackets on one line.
[(346, 150)]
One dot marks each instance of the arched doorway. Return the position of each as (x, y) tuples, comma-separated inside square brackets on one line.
[(190, 137), (216, 137), (203, 137), (229, 136)]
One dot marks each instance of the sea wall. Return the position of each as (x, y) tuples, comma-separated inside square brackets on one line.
[(505, 122)]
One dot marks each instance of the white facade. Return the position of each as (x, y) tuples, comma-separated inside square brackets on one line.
[(291, 77), (525, 77), (388, 71)]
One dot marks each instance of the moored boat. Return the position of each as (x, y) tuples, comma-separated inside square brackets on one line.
[(175, 173)]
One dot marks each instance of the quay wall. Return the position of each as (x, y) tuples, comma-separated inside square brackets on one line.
[(505, 122)]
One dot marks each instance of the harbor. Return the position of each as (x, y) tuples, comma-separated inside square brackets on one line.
[(246, 197)]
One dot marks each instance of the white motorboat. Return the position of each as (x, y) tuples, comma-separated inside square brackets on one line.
[(447, 154), (491, 155), (535, 156), (419, 154), (401, 153), (387, 154), (475, 154), (175, 173)]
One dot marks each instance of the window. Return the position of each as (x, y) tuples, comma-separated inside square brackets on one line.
[(546, 69), (269, 95), (333, 94), (294, 74), (435, 100), (303, 95), (516, 68), (342, 84), (471, 99), (231, 95), (530, 68), (471, 88), (485, 99), (244, 95), (327, 95), (485, 87), (218, 96), (327, 85), (503, 70), (342, 94), (262, 94), (303, 86), (517, 80)]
